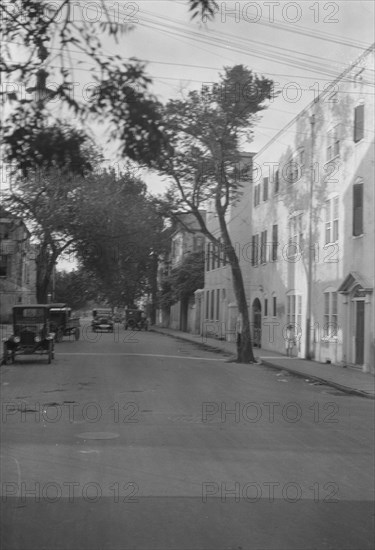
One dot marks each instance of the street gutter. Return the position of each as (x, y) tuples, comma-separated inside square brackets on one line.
[(267, 363)]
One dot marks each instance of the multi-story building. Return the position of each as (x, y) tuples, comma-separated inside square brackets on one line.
[(185, 238), (313, 225), (305, 230), (17, 265), (218, 305)]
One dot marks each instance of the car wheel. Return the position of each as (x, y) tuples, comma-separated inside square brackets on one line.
[(4, 358), (77, 333)]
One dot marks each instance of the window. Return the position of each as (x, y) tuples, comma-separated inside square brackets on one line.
[(358, 209), (333, 143), (212, 305), (207, 304), (294, 311), (265, 189), (4, 265), (277, 182), (301, 158), (359, 123), (255, 250), (330, 325), (263, 247), (213, 256), (208, 256), (266, 307), (332, 220), (256, 194), (274, 306), (217, 304), (292, 171), (274, 243), (295, 237)]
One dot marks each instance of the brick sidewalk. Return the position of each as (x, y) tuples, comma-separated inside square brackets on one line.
[(350, 380)]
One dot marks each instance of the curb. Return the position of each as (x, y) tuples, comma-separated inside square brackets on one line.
[(336, 385), (209, 347)]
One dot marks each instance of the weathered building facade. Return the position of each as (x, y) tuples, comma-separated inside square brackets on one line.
[(17, 265), (186, 239), (304, 230)]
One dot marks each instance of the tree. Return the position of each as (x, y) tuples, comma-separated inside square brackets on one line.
[(184, 279), (201, 157), (76, 288), (40, 41), (47, 193), (119, 235)]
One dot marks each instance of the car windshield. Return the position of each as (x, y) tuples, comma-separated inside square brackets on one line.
[(29, 316)]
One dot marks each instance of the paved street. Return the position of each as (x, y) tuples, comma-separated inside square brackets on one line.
[(139, 441)]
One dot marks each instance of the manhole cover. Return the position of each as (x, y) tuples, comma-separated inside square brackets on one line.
[(98, 435)]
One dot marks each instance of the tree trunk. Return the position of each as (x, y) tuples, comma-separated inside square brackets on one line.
[(154, 288), (44, 269), (244, 348)]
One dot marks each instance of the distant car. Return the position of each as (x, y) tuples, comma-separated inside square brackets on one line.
[(135, 319), (102, 320), (63, 323), (31, 333), (117, 318)]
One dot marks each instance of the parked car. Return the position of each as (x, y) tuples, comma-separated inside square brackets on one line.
[(31, 333), (102, 320), (135, 319), (62, 322)]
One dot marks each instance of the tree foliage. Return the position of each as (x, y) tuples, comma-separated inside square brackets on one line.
[(77, 288), (183, 280), (41, 42), (119, 236)]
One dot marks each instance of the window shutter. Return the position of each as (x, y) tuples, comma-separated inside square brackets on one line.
[(265, 189), (359, 119), (274, 243), (208, 252), (277, 182), (357, 209)]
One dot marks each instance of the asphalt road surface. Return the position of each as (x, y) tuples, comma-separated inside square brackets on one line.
[(138, 441)]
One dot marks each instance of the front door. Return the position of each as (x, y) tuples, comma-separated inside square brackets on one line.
[(257, 323), (360, 332)]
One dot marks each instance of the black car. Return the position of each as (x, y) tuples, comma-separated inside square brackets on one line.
[(32, 333), (102, 320)]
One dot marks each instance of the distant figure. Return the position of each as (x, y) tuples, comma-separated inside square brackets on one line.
[(239, 327), (290, 340)]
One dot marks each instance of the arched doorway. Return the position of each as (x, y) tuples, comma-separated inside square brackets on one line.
[(257, 323)]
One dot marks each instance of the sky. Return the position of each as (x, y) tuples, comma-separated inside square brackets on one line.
[(302, 46)]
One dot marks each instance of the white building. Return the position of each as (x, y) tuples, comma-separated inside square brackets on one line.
[(305, 230)]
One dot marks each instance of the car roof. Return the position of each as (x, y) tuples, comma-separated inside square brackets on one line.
[(31, 306)]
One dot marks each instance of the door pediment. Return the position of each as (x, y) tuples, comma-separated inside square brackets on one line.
[(352, 280)]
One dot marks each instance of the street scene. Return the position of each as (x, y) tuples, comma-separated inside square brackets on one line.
[(187, 271), (138, 440)]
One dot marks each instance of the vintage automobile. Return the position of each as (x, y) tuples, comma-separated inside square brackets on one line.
[(62, 322), (31, 333), (135, 319), (102, 320)]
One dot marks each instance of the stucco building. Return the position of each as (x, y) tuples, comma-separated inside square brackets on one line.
[(304, 230), (17, 265), (185, 238)]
